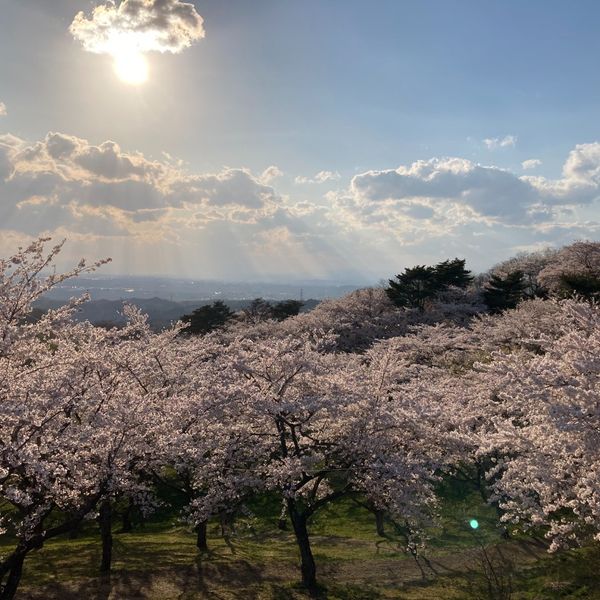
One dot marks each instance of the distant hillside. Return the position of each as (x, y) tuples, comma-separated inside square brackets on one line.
[(161, 313)]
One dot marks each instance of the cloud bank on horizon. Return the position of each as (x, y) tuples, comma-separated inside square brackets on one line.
[(107, 198)]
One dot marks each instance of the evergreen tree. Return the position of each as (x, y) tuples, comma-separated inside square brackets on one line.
[(414, 287), (504, 292), (452, 273), (207, 318), (583, 285), (286, 308)]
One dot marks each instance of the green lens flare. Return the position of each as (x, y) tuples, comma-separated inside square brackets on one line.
[(474, 523)]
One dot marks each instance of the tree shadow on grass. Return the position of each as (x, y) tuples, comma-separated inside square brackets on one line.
[(205, 579)]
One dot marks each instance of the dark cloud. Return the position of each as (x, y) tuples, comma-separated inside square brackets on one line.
[(230, 187), (108, 161), (60, 145)]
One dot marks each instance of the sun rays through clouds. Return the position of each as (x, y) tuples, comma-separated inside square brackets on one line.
[(133, 28)]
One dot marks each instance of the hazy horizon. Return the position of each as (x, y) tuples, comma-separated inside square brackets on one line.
[(107, 287)]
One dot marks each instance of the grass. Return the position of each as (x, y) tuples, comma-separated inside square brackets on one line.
[(159, 560)]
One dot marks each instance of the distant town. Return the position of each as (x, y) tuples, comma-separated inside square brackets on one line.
[(165, 300)]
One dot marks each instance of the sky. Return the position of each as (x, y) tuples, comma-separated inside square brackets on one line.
[(285, 139)]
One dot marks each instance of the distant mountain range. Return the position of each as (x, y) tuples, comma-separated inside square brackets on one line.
[(161, 313)]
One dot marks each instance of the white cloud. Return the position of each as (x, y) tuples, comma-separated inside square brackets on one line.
[(270, 173), (68, 173), (323, 176), (233, 223), (3, 111), (583, 163), (508, 141), (320, 177), (489, 192), (531, 163), (138, 25), (153, 216), (436, 197)]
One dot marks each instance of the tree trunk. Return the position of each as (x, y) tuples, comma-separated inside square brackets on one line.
[(480, 482), (308, 567), (201, 541), (126, 524), (11, 569), (14, 566), (379, 524), (105, 520), (481, 486), (74, 533), (282, 521)]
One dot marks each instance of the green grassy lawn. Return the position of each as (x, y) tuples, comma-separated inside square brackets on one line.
[(159, 560)]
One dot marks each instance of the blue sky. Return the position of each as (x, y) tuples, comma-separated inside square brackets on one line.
[(356, 91)]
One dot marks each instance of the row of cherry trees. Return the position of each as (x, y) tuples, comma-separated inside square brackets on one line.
[(91, 416)]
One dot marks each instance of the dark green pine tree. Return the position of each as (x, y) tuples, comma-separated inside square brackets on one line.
[(502, 293), (414, 287), (452, 273), (286, 308), (207, 318), (585, 286)]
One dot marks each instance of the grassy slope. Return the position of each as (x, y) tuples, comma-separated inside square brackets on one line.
[(159, 561)]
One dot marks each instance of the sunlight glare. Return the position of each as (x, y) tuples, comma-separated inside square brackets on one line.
[(131, 66)]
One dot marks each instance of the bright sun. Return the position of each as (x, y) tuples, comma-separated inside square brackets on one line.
[(131, 66)]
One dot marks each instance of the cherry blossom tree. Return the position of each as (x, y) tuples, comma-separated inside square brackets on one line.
[(364, 316), (530, 264), (41, 382), (357, 320), (355, 399), (571, 268), (74, 428), (548, 429), (314, 426), (206, 448), (520, 328)]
